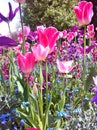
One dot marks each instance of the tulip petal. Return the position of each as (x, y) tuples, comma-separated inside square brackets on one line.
[(87, 13), (82, 4), (10, 11), (78, 13), (50, 31), (3, 18), (7, 42), (43, 38), (53, 40), (26, 62)]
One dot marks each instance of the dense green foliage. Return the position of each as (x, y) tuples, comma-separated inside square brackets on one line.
[(58, 13)]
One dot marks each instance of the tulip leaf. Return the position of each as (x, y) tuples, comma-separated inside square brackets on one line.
[(20, 87)]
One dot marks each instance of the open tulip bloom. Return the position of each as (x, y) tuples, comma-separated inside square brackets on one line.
[(40, 52), (48, 37), (65, 66), (10, 16)]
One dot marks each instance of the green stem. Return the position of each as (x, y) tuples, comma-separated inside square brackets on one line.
[(41, 96), (9, 29), (26, 90), (23, 44), (47, 105), (84, 59)]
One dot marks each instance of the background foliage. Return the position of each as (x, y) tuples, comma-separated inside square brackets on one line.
[(58, 13)]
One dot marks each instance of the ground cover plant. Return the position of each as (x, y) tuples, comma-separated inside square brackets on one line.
[(48, 78)]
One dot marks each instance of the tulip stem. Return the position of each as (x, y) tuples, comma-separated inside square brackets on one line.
[(84, 59), (46, 111), (9, 29), (41, 97), (23, 44)]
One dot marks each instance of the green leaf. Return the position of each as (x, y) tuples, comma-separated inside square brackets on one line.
[(20, 87)]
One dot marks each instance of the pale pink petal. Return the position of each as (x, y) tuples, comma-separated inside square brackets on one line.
[(40, 52)]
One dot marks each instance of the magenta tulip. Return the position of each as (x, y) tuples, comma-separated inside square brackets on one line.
[(48, 37), (26, 62), (65, 66), (40, 52), (84, 12)]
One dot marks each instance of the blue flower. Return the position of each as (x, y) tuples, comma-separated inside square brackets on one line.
[(22, 121), (14, 128), (2, 117), (11, 14), (26, 104), (15, 112), (49, 128), (4, 122), (77, 110), (69, 106), (86, 99), (75, 90), (67, 89), (62, 113), (16, 91), (58, 81)]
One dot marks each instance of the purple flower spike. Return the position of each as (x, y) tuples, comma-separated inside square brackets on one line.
[(11, 14), (7, 42)]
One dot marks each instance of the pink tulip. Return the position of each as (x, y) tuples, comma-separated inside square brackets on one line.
[(64, 66), (40, 52), (48, 37), (84, 12), (26, 62), (95, 80), (20, 1), (32, 129)]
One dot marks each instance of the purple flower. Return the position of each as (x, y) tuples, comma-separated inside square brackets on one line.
[(7, 42), (94, 98), (11, 14)]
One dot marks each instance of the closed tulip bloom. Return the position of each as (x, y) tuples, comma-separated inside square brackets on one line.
[(84, 12), (20, 1), (48, 37), (65, 66), (40, 52), (26, 62)]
